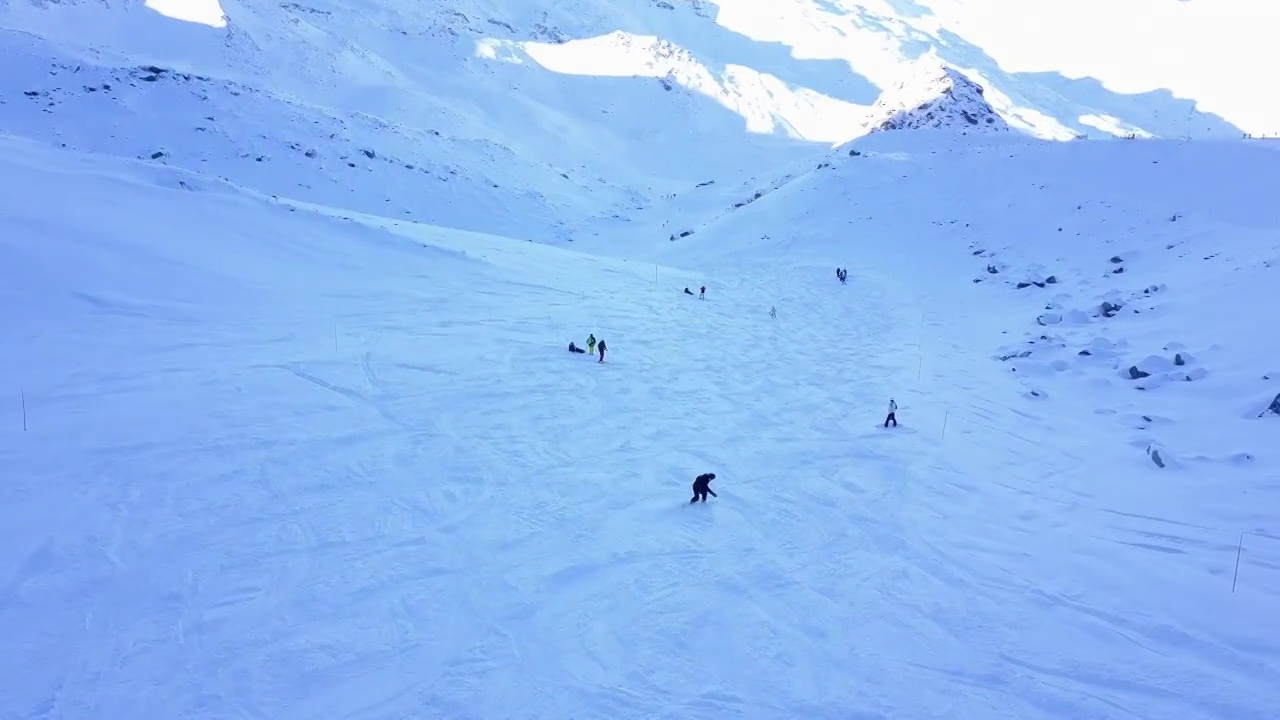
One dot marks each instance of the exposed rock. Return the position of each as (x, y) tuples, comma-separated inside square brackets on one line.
[(933, 95), (1154, 454), (1137, 374), (1273, 408)]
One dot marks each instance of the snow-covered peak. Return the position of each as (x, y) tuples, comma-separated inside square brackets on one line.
[(933, 95)]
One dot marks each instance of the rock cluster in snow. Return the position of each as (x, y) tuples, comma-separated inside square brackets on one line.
[(932, 95)]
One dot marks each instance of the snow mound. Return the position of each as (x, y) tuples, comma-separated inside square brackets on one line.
[(933, 95)]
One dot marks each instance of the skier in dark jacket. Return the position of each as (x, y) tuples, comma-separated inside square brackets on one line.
[(701, 487), (602, 349)]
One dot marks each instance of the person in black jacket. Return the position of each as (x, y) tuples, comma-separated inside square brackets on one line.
[(701, 487)]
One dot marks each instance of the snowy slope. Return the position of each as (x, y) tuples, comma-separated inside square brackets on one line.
[(292, 432), (262, 461), (1085, 258)]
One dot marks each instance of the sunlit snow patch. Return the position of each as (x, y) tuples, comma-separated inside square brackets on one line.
[(205, 12), (766, 103), (1113, 125)]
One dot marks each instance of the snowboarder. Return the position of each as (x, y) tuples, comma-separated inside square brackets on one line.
[(893, 410), (602, 349), (701, 486), (702, 293), (591, 343), (575, 349)]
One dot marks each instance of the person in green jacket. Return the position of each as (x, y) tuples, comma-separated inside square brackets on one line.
[(591, 344)]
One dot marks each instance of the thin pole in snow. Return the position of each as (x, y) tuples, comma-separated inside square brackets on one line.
[(945, 415), (335, 337), (1236, 576), (23, 393), (920, 350)]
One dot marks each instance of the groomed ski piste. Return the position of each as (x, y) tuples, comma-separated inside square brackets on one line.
[(278, 463), (289, 429)]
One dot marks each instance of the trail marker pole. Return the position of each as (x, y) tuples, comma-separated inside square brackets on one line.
[(335, 337), (1236, 576), (945, 415), (23, 393), (920, 350)]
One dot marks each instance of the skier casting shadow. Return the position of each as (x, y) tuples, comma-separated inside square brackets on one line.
[(700, 487)]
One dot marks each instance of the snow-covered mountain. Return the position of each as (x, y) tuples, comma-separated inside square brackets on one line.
[(291, 429), (579, 115)]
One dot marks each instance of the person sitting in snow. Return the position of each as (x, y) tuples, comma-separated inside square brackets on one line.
[(687, 291), (701, 486), (575, 349)]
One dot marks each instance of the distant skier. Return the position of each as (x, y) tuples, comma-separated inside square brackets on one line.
[(591, 343), (701, 486), (602, 349), (773, 312), (702, 293), (893, 414)]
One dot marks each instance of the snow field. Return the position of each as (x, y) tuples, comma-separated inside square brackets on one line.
[(296, 466)]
